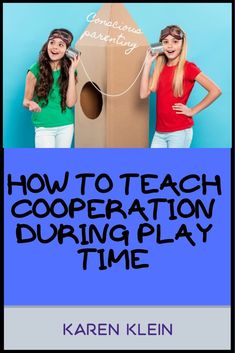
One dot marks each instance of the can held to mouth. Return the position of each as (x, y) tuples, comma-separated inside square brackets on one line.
[(72, 53), (156, 48)]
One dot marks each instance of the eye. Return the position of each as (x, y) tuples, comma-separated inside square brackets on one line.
[(51, 42)]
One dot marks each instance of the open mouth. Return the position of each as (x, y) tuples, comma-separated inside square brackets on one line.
[(170, 51)]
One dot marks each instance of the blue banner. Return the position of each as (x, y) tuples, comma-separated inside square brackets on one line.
[(117, 227)]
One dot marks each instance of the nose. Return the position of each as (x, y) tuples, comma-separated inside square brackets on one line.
[(167, 46)]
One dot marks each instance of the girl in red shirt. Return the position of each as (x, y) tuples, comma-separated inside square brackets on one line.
[(173, 80)]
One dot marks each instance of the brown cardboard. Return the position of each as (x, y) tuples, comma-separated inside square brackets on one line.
[(102, 121)]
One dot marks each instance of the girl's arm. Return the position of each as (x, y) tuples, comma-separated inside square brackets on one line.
[(29, 93), (71, 97), (213, 93), (145, 78)]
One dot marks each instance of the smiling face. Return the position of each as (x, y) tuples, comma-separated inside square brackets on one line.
[(172, 48), (56, 49)]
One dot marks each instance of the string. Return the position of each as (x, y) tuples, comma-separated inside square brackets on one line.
[(118, 94)]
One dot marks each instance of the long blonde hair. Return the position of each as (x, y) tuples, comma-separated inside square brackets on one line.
[(177, 85)]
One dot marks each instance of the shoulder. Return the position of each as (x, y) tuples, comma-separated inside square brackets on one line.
[(191, 66), (191, 69), (34, 68)]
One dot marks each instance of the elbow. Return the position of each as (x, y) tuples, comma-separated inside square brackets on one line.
[(217, 92), (71, 101), (71, 104), (25, 105), (144, 95)]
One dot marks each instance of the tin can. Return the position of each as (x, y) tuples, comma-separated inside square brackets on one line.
[(156, 48), (72, 52)]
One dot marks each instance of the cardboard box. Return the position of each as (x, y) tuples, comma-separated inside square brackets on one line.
[(113, 51)]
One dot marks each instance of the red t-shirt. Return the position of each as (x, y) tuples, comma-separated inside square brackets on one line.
[(167, 119)]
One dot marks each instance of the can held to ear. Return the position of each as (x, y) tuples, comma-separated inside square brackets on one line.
[(156, 48), (72, 52)]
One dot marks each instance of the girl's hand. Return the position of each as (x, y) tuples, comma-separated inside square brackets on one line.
[(182, 109), (150, 58), (74, 63), (34, 107)]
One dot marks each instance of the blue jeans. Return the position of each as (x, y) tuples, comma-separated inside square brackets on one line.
[(176, 139), (54, 137)]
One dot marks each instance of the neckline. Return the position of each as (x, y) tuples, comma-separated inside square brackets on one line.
[(171, 65)]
